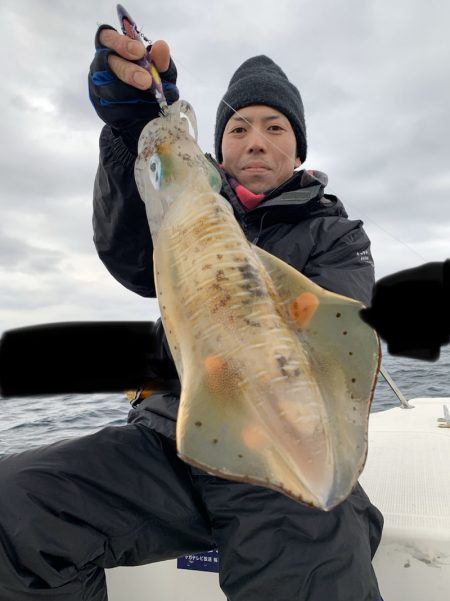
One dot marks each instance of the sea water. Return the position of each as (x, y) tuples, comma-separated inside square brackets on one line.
[(33, 421)]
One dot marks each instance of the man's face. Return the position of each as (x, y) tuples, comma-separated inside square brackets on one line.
[(259, 148)]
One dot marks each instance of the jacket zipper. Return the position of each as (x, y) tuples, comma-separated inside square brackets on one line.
[(256, 239)]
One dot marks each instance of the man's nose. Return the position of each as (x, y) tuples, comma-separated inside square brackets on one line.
[(256, 141)]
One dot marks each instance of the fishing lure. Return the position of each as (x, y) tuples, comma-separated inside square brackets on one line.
[(129, 28)]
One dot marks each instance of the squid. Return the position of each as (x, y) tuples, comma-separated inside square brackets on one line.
[(277, 374)]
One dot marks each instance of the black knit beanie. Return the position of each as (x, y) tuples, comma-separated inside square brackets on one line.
[(260, 81)]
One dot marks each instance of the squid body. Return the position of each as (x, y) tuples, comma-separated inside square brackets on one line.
[(277, 374)]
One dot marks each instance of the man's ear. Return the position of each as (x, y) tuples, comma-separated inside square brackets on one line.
[(297, 162)]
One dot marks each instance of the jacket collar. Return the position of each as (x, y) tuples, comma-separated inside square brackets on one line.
[(300, 196)]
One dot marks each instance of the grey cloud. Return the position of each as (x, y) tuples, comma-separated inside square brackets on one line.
[(18, 255), (373, 77)]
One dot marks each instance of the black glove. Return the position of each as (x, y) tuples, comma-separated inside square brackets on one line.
[(410, 310), (125, 108)]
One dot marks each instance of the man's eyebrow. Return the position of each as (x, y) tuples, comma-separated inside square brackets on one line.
[(237, 117)]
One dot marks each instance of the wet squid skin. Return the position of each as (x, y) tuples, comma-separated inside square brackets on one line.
[(259, 382)]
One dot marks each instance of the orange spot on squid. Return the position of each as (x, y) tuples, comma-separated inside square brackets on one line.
[(217, 372), (253, 438), (303, 308)]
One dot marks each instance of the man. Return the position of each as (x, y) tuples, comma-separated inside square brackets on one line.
[(121, 496), (411, 310)]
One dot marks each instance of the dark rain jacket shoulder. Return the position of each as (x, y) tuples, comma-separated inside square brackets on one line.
[(298, 222)]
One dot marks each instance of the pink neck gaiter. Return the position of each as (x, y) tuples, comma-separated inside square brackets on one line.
[(248, 199)]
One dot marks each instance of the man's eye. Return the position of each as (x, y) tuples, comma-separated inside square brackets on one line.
[(238, 130), (276, 128)]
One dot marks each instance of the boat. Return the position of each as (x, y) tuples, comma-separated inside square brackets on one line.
[(407, 476)]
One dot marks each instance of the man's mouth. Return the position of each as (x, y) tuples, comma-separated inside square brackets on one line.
[(255, 167)]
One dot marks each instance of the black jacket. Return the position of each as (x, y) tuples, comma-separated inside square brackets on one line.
[(298, 223)]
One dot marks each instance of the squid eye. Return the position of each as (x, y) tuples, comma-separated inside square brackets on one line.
[(155, 169)]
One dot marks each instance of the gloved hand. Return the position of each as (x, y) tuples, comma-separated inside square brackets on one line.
[(410, 310), (119, 89)]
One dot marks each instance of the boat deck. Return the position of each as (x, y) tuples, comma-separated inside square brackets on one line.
[(407, 475)]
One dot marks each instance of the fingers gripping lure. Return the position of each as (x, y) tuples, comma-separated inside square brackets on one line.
[(129, 28)]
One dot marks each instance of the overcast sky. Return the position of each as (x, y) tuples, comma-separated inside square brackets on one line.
[(374, 77)]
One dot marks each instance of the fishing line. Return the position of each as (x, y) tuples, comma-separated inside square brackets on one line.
[(383, 229), (349, 204), (268, 140)]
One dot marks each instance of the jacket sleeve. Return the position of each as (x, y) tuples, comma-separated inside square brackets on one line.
[(340, 259), (121, 233)]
